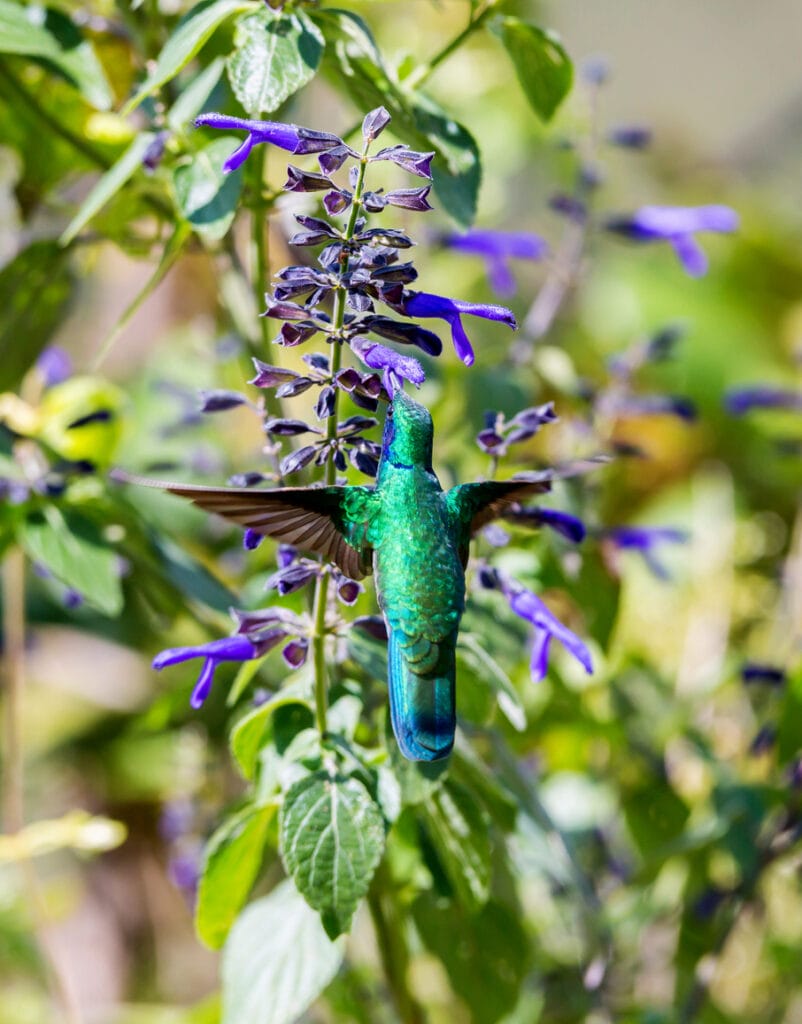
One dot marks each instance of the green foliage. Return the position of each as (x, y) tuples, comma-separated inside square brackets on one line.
[(277, 960), (35, 288), (231, 863), (332, 838), (543, 67), (275, 55), (73, 549), (49, 35), (191, 33), (205, 195)]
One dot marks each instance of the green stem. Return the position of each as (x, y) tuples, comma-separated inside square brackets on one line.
[(425, 71), (389, 927), (322, 586), (14, 659)]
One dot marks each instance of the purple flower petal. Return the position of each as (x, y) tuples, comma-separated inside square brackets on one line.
[(54, 365), (743, 400), (424, 304), (290, 137), (529, 606), (374, 123), (251, 539), (396, 367)]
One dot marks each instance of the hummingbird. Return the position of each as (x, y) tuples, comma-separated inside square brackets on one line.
[(412, 535)]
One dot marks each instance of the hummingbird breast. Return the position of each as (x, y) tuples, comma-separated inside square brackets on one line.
[(420, 581)]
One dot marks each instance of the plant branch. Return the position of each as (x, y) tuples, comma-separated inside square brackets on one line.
[(393, 951)]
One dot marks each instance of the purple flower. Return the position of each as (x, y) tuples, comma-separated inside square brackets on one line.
[(769, 675), (408, 159), (496, 248), (528, 606), (568, 526), (54, 365), (251, 539), (395, 367), (677, 225), (291, 137), (743, 400), (423, 304), (645, 539), (229, 648)]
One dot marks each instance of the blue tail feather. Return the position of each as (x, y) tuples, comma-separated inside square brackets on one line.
[(422, 707)]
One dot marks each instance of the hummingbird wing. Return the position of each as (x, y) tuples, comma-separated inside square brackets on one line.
[(329, 521), (475, 505)]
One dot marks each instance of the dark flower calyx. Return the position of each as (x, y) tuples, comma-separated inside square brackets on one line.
[(299, 180), (288, 428), (374, 124)]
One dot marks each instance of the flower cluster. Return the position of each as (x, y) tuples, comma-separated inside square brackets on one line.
[(356, 296)]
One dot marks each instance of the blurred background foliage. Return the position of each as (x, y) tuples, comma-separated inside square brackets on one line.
[(629, 853)]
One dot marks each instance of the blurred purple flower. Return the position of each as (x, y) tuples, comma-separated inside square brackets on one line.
[(770, 675), (251, 539), (644, 539), (568, 526), (54, 365), (423, 304), (291, 137), (547, 626), (497, 248), (743, 400), (229, 648), (396, 368), (676, 225)]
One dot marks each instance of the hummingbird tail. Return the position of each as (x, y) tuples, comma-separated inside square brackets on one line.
[(422, 707)]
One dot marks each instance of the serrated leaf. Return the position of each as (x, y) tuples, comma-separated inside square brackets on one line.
[(190, 34), (543, 67), (356, 67), (459, 832), (109, 185), (34, 290), (50, 35), (207, 197), (71, 548), (231, 862), (332, 839), (277, 960), (276, 54)]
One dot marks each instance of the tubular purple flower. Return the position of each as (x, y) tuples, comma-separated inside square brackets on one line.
[(743, 400), (644, 539), (496, 248), (677, 225), (423, 304), (547, 626), (54, 365), (229, 648), (395, 367), (290, 137)]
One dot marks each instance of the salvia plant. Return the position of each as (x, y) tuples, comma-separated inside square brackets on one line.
[(486, 709)]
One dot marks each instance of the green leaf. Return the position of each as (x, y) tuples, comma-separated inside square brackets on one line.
[(109, 185), (275, 55), (485, 955), (543, 67), (194, 96), (332, 839), (50, 35), (34, 290), (490, 672), (277, 960), (206, 196), (231, 862), (459, 832), (355, 66), (71, 548), (190, 34), (248, 734)]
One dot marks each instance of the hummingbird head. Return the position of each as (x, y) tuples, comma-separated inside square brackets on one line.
[(408, 433)]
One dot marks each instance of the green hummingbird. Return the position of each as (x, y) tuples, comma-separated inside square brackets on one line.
[(413, 535)]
